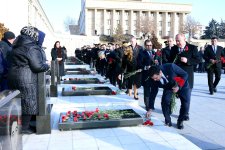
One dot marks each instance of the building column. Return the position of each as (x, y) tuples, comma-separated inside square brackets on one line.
[(113, 21), (164, 24), (131, 24), (122, 20), (95, 23), (156, 22), (173, 25), (85, 22), (104, 22)]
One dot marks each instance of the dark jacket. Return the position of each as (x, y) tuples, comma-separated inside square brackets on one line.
[(191, 53), (210, 54), (166, 55), (27, 62)]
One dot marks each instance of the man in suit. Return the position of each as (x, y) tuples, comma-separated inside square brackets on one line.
[(167, 77), (186, 56), (166, 51), (149, 86), (212, 56)]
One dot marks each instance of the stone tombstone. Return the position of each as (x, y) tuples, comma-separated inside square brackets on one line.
[(43, 123), (10, 120), (53, 86)]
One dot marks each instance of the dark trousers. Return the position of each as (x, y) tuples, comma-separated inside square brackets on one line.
[(150, 92), (212, 84), (184, 95)]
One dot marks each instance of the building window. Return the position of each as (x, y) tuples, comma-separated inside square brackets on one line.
[(160, 15), (109, 13), (126, 31), (168, 33), (160, 33), (144, 14), (135, 32), (127, 13), (169, 24), (135, 22), (118, 22), (109, 21), (109, 32), (160, 23), (152, 14), (169, 15), (127, 23), (117, 13)]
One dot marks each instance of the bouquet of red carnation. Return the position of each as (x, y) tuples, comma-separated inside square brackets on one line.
[(179, 82)]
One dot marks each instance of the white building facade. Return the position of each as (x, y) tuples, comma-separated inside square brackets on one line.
[(99, 17)]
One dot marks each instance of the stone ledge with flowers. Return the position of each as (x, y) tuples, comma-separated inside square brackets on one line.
[(85, 91), (99, 119), (81, 81)]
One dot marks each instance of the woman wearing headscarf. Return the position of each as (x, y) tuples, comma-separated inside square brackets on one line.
[(58, 54), (27, 60)]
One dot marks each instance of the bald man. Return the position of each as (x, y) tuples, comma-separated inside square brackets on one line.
[(185, 55)]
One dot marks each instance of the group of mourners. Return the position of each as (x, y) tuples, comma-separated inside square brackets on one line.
[(129, 66), (172, 68)]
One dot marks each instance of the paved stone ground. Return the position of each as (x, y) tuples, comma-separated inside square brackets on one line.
[(206, 127)]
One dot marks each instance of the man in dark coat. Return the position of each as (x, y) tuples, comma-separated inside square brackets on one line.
[(5, 49), (212, 56), (173, 80), (185, 55), (166, 51), (150, 89), (27, 61)]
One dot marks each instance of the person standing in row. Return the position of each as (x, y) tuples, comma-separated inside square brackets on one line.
[(58, 54), (5, 50), (185, 55), (137, 54), (27, 60), (212, 56)]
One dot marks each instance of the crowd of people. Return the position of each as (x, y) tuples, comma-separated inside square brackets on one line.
[(128, 66)]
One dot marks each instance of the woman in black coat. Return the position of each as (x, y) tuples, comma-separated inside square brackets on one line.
[(58, 54), (129, 65), (27, 60)]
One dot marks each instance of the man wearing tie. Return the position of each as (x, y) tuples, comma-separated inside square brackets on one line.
[(149, 86), (186, 56), (212, 56), (167, 77)]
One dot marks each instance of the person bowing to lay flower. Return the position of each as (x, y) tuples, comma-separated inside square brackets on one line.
[(186, 56)]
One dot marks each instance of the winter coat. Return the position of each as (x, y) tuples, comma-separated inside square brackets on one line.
[(27, 61)]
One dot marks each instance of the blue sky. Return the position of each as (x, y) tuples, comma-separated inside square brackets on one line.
[(203, 10)]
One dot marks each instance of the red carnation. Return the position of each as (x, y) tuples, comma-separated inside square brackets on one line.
[(97, 110), (74, 88), (99, 116), (223, 60), (106, 116), (186, 48), (148, 123), (113, 92), (68, 113), (84, 117), (75, 119), (179, 81)]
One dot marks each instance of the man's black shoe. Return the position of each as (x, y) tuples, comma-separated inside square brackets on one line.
[(211, 93), (169, 124), (215, 90), (180, 125), (186, 118), (27, 131)]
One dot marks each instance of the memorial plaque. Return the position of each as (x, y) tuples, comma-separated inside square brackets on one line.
[(82, 81), (99, 119), (82, 72), (85, 91)]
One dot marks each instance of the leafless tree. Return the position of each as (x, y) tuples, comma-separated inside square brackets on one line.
[(145, 25), (190, 26)]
